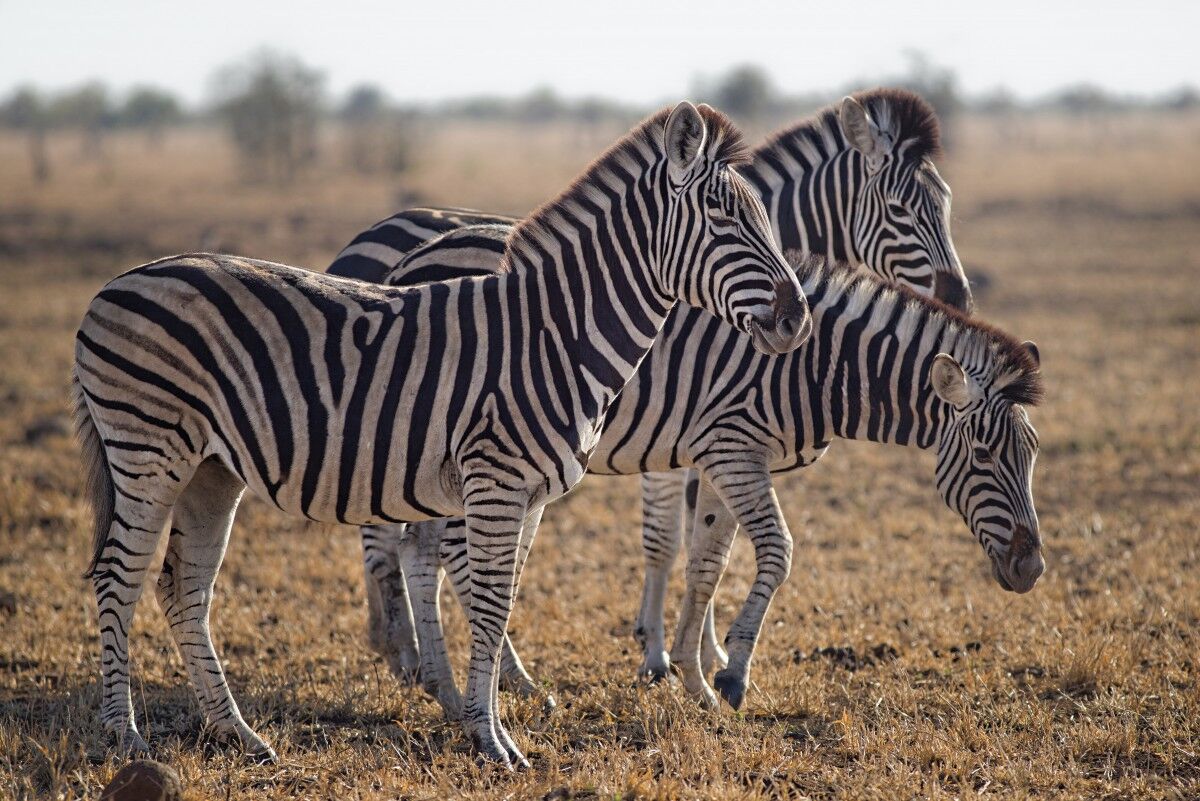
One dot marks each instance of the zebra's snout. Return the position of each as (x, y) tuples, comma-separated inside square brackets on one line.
[(789, 324), (954, 291), (1024, 563)]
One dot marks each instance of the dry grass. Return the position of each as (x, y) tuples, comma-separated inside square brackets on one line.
[(1085, 689)]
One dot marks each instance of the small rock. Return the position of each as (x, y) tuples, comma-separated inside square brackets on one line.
[(54, 426), (144, 780)]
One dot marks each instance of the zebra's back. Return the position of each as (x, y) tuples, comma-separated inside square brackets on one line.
[(373, 253)]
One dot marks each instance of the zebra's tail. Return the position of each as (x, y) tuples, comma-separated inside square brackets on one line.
[(98, 480)]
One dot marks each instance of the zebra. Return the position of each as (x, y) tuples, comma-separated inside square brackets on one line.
[(856, 183), (197, 376), (874, 369)]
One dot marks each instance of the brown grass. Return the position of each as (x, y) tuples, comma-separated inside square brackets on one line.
[(1088, 235)]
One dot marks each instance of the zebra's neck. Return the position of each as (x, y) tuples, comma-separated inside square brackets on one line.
[(809, 178), (579, 273), (867, 369)]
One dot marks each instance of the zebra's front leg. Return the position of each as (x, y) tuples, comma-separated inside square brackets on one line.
[(662, 494), (714, 531), (747, 491), (513, 676), (199, 535), (712, 655), (495, 517), (390, 628)]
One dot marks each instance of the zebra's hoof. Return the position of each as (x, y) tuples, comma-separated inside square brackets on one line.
[(131, 744), (406, 670), (655, 669), (266, 756), (490, 754), (731, 687)]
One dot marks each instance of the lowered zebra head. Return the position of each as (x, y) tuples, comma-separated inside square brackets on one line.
[(716, 248), (901, 215), (986, 454)]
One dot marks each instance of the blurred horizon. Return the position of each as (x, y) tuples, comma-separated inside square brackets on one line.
[(1025, 52)]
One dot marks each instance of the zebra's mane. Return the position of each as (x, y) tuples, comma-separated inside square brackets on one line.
[(632, 155), (910, 120), (993, 357)]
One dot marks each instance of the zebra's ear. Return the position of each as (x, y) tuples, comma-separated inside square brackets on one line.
[(1032, 347), (684, 139), (863, 134), (949, 381)]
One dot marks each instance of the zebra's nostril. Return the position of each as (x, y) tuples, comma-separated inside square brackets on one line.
[(791, 310)]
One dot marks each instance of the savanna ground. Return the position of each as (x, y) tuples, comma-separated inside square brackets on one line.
[(891, 666)]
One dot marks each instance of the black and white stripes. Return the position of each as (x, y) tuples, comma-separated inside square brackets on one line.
[(343, 401), (882, 365)]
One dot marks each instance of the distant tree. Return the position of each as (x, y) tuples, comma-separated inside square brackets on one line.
[(364, 102), (272, 104), (378, 138), (1185, 98), (89, 110), (745, 91), (1083, 98), (540, 105), (25, 111), (151, 110), (998, 101)]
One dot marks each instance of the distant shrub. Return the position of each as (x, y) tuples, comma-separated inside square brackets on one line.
[(272, 105)]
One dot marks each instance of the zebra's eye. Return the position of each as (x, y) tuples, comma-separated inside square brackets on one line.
[(983, 455), (897, 210), (719, 217)]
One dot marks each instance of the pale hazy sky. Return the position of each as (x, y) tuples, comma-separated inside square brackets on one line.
[(637, 51)]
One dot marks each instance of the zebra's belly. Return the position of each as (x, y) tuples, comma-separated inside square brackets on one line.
[(356, 484)]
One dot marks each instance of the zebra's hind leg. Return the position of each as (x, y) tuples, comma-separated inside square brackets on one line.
[(199, 534), (662, 494), (141, 508), (391, 630), (714, 531), (118, 580)]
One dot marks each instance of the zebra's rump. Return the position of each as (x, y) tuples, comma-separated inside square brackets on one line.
[(276, 371)]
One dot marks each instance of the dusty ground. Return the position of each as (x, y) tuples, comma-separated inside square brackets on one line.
[(892, 666)]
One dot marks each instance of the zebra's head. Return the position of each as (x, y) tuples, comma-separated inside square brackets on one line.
[(985, 460), (901, 216), (718, 252)]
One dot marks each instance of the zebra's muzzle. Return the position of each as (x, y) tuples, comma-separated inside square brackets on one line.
[(789, 325), (954, 291), (1019, 569)]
